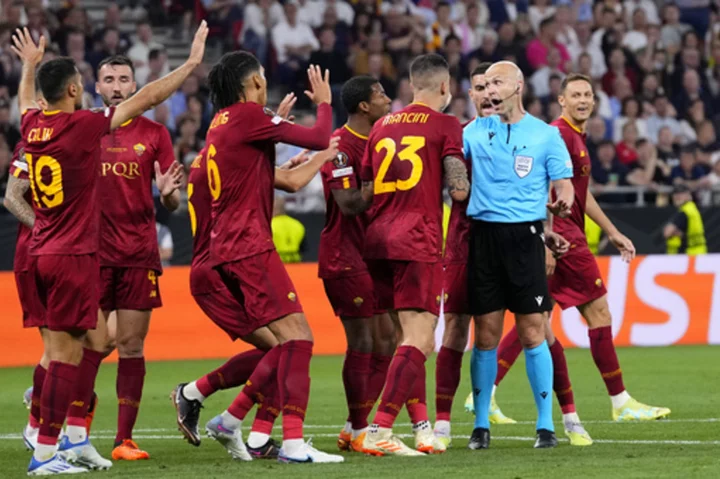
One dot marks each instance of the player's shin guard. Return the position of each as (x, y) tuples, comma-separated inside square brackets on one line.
[(447, 380), (83, 388), (416, 401), (129, 386), (508, 352), (355, 373), (265, 372), (57, 388), (605, 357), (561, 379), (38, 380), (232, 374), (539, 366), (483, 370), (294, 386), (407, 365)]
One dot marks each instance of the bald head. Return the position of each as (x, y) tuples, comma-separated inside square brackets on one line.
[(507, 70), (504, 82)]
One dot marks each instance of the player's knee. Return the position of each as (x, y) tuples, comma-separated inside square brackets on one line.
[(531, 334), (293, 327), (384, 346), (456, 332), (486, 339), (130, 347)]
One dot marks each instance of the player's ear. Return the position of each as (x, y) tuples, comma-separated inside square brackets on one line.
[(364, 106), (73, 90), (256, 81)]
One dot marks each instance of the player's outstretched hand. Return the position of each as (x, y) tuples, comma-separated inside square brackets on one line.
[(624, 245), (286, 106), (169, 181), (24, 47), (559, 208), (557, 244), (297, 160), (197, 50), (319, 86), (331, 152)]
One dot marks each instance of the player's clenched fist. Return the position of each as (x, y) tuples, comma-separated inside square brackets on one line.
[(319, 86)]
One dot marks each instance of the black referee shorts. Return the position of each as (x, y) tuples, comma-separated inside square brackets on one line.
[(506, 268)]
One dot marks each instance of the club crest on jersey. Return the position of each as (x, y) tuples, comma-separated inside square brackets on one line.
[(341, 160), (523, 165), (358, 301), (139, 149), (292, 296)]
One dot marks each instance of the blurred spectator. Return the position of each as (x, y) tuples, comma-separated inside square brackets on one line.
[(341, 29), (443, 26), (328, 58), (161, 114), (376, 69), (539, 48), (625, 149), (139, 53), (608, 173), (630, 112), (196, 109), (584, 45), (648, 7), (165, 243), (696, 13), (664, 115), (622, 90), (691, 91), (617, 67), (566, 32), (453, 54), (707, 138), (374, 47), (488, 48), (9, 132), (672, 30), (73, 21), (260, 17), (694, 116), (113, 21), (187, 145), (471, 26), (310, 12), (37, 23), (5, 158), (648, 171), (343, 10), (510, 46), (596, 134), (688, 171), (461, 11), (650, 88), (288, 233), (109, 46), (668, 152), (75, 46), (685, 232), (637, 38), (404, 95), (607, 21), (459, 109), (538, 11), (293, 43), (713, 71), (179, 100), (540, 80)]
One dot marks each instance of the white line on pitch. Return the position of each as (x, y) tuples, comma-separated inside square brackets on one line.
[(18, 437)]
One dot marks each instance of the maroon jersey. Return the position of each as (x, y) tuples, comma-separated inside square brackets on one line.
[(63, 155), (573, 227), (341, 241), (404, 160), (241, 174), (127, 210), (19, 169), (458, 236), (203, 279)]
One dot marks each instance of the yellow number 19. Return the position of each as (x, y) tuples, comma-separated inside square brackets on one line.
[(412, 145), (213, 172), (52, 193)]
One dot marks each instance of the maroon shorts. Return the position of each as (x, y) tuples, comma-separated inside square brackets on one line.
[(129, 288), (262, 288), (351, 296), (33, 316), (68, 290), (455, 280), (576, 280), (407, 285), (223, 309)]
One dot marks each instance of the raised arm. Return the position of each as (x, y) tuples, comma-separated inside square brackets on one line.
[(158, 91), (294, 178), (31, 56), (456, 178)]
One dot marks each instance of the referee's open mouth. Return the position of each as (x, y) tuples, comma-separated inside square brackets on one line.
[(487, 108)]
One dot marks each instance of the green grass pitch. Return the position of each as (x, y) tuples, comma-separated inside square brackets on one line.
[(686, 379)]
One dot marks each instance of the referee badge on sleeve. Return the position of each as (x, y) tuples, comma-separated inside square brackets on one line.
[(523, 165)]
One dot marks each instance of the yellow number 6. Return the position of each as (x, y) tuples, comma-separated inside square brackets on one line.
[(213, 173)]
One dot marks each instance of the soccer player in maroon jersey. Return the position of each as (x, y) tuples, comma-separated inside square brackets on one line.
[(575, 279), (131, 157), (407, 155), (455, 306), (62, 152), (241, 169), (348, 284), (213, 297)]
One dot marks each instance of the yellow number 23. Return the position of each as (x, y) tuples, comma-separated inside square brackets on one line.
[(412, 145)]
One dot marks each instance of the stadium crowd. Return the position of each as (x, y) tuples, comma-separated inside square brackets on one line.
[(656, 68)]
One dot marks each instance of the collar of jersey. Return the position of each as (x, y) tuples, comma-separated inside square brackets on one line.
[(571, 124), (362, 137)]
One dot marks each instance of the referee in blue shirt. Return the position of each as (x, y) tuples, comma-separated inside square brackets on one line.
[(515, 157)]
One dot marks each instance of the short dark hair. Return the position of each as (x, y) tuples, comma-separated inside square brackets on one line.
[(355, 91), (442, 3), (116, 61), (547, 21), (227, 76), (155, 53), (481, 69), (690, 148), (641, 142), (424, 67), (450, 38), (573, 77), (54, 76)]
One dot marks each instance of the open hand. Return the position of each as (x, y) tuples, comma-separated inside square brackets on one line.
[(319, 86), (197, 50), (24, 47), (169, 181), (624, 245), (285, 107)]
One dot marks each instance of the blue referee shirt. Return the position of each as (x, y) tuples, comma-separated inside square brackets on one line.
[(512, 166)]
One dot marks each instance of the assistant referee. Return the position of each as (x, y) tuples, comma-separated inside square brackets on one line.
[(515, 157)]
